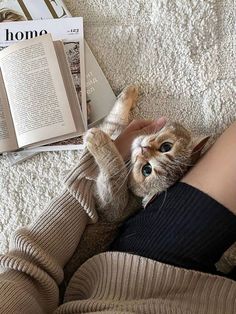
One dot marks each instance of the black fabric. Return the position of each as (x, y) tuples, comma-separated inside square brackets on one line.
[(183, 227)]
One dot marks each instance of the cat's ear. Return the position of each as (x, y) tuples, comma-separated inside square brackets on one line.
[(198, 146)]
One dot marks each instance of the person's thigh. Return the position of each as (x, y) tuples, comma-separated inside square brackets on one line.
[(215, 173)]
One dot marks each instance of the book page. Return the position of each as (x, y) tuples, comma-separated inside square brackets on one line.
[(35, 89), (70, 87), (7, 133)]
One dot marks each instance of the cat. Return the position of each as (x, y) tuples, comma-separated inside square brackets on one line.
[(157, 161)]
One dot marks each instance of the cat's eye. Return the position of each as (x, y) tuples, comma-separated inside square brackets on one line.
[(165, 147), (147, 170)]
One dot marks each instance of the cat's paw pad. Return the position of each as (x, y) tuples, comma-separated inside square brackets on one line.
[(94, 138), (129, 96)]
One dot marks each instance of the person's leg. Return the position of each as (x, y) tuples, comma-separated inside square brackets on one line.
[(215, 173)]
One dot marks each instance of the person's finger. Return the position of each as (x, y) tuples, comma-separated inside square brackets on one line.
[(155, 126), (139, 124)]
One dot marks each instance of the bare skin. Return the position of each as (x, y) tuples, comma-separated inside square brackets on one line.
[(134, 129), (215, 172)]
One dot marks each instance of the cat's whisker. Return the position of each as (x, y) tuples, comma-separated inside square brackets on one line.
[(127, 175), (128, 162), (120, 169), (124, 180), (129, 165), (165, 196)]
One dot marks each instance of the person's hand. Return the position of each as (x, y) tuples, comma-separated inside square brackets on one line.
[(134, 129)]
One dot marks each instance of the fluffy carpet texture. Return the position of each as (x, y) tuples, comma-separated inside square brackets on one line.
[(180, 53)]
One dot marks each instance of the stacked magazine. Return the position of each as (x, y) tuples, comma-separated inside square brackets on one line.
[(51, 86)]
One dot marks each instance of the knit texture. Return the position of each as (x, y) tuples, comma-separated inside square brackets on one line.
[(117, 281), (110, 282)]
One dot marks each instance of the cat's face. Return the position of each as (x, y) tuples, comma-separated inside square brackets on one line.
[(160, 159)]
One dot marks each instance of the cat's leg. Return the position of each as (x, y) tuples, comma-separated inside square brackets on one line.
[(111, 184), (118, 118)]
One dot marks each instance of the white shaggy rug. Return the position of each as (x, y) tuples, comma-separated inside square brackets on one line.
[(182, 55)]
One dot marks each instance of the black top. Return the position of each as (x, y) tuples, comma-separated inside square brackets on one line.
[(183, 227)]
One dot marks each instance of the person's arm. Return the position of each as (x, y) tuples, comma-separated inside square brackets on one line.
[(32, 270)]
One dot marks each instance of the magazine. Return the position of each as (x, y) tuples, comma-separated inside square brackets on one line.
[(38, 100), (35, 9), (100, 97)]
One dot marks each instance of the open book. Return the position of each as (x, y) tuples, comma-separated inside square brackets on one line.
[(69, 30), (38, 103)]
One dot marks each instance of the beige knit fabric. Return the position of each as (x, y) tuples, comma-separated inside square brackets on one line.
[(110, 282)]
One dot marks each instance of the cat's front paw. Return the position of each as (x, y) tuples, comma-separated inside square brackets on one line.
[(95, 139), (129, 96)]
